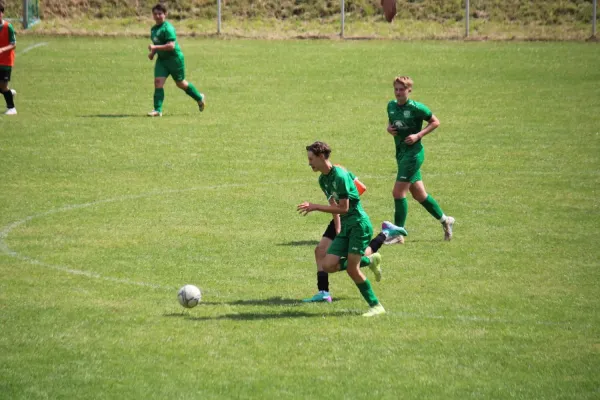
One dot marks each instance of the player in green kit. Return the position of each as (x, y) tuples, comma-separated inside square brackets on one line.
[(170, 61), (406, 118), (323, 294), (347, 250)]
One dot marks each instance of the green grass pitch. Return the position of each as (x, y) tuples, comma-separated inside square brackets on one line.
[(105, 213)]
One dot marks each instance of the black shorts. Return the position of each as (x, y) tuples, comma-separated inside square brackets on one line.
[(330, 231), (5, 74)]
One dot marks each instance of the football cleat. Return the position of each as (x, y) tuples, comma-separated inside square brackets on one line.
[(321, 296), (375, 310), (202, 103), (11, 111), (448, 224), (375, 265), (393, 232), (155, 113)]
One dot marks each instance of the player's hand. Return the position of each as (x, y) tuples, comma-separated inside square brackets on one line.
[(411, 139), (305, 207), (392, 130), (151, 56)]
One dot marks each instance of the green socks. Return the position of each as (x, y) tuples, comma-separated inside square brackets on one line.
[(364, 262), (401, 211), (159, 97), (193, 92), (367, 292), (433, 207)]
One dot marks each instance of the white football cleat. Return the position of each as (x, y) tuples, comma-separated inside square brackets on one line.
[(448, 224), (11, 111), (154, 113)]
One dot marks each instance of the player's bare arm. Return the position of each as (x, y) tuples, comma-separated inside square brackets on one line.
[(170, 46), (341, 208), (432, 124), (8, 48)]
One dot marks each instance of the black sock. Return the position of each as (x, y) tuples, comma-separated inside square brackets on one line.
[(377, 242), (323, 281), (8, 96)]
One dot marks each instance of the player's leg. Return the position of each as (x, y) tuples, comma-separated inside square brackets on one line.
[(419, 193), (408, 168), (323, 293), (396, 231), (7, 92), (359, 236), (376, 244), (178, 72), (161, 73)]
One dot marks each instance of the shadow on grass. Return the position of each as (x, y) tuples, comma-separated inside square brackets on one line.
[(273, 301), (284, 314), (300, 243), (113, 116)]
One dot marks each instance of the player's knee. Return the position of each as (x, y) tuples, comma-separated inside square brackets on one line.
[(182, 85), (328, 267), (353, 272), (159, 83)]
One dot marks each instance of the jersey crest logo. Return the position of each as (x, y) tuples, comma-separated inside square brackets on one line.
[(406, 113), (399, 124)]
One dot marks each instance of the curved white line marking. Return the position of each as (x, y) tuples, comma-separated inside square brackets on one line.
[(33, 46), (8, 228)]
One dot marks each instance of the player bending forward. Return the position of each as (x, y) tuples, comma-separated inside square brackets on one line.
[(347, 251)]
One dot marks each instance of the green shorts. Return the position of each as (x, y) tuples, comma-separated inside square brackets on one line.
[(174, 66), (354, 238), (409, 166)]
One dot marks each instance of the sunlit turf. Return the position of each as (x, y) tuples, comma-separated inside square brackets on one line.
[(105, 213)]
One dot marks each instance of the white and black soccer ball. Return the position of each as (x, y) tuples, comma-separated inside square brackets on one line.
[(189, 296)]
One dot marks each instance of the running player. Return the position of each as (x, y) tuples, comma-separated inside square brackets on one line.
[(170, 61), (347, 251), (334, 227), (406, 118), (8, 42)]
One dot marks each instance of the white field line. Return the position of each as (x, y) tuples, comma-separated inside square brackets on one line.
[(33, 46), (4, 248), (7, 250)]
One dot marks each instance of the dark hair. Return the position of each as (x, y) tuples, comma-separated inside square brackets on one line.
[(160, 7), (1, 7), (318, 148)]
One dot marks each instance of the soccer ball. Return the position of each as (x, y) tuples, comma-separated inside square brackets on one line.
[(389, 9), (189, 296)]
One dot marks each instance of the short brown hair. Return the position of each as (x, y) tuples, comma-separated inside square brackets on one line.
[(405, 80), (318, 148), (1, 7), (160, 7)]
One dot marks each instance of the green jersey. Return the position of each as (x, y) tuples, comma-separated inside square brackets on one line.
[(408, 120), (163, 34), (339, 184)]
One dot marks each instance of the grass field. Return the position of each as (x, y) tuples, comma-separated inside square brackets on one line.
[(105, 213)]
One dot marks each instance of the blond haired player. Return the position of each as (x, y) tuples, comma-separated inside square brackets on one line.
[(405, 124)]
